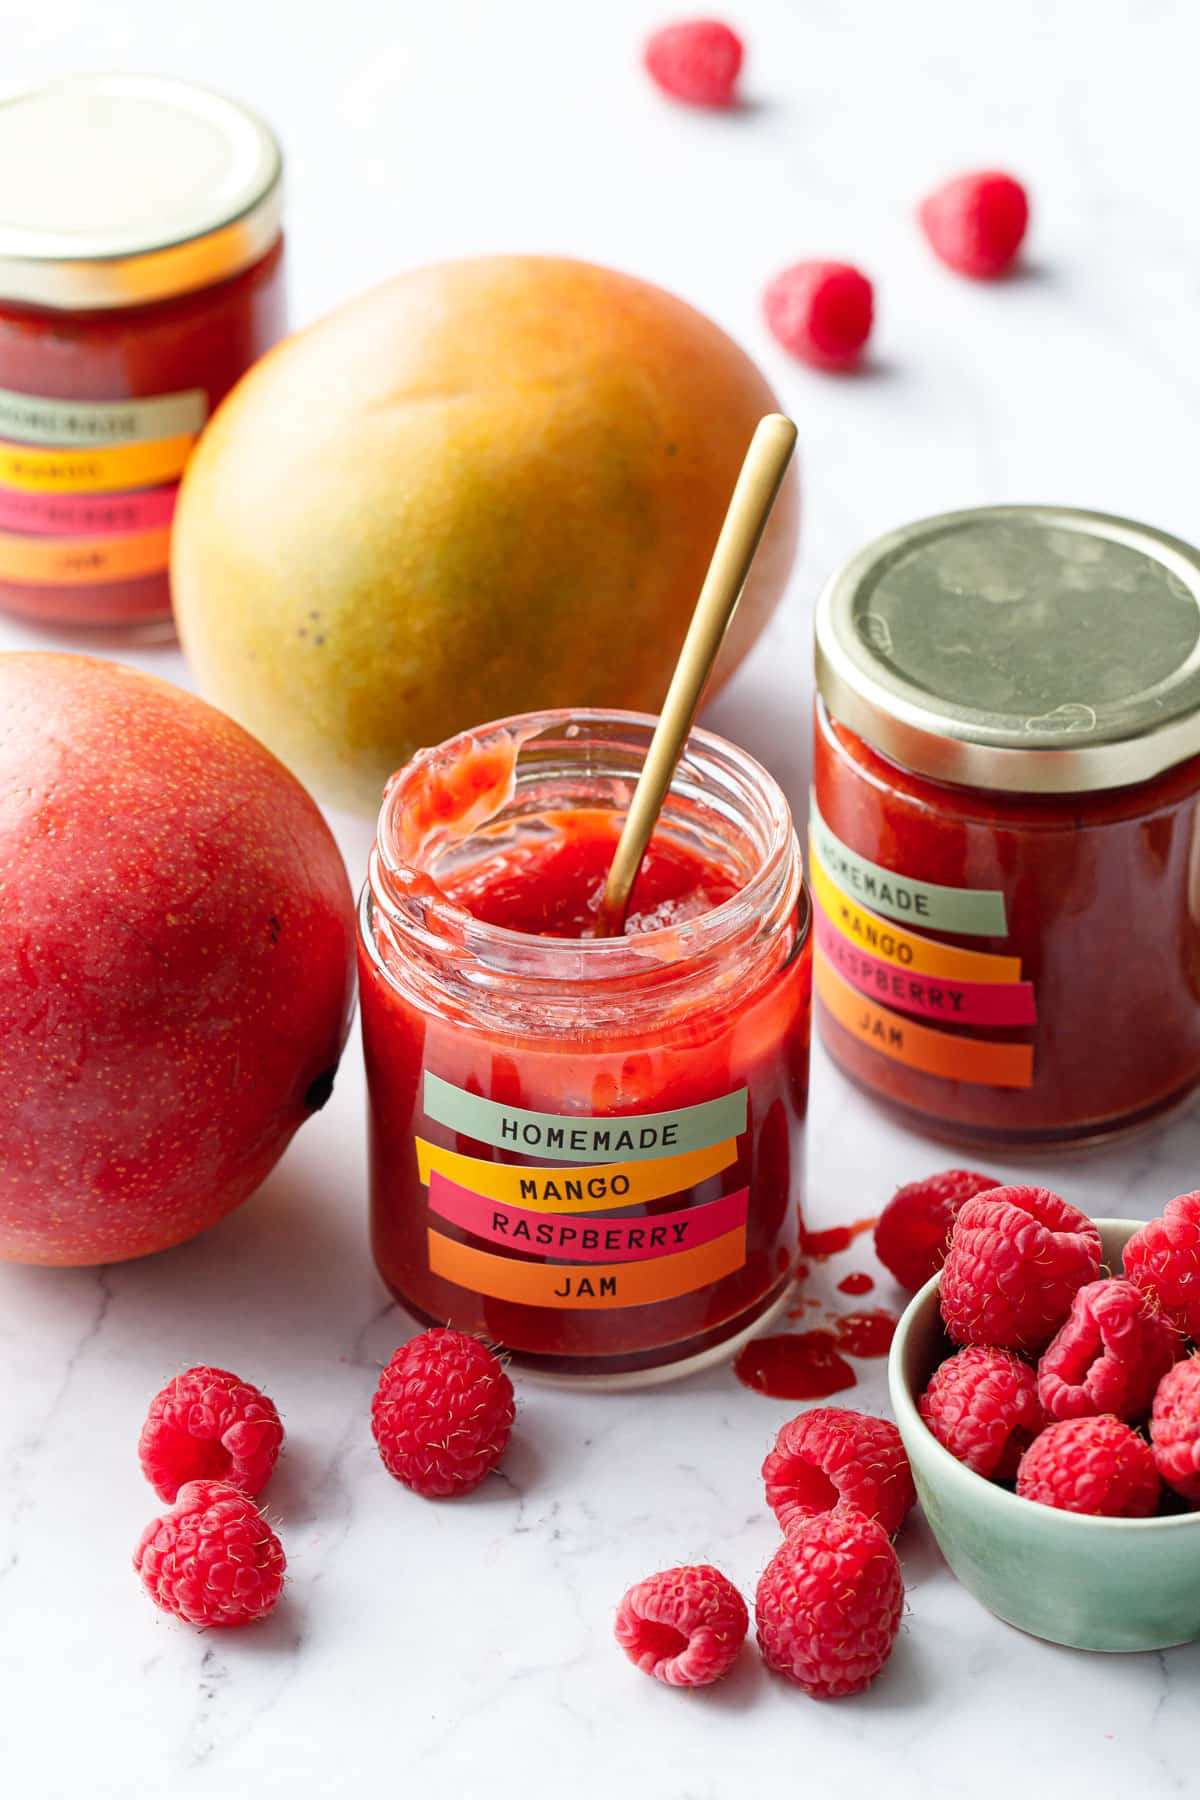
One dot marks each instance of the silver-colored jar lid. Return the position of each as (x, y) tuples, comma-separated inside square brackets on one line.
[(1034, 649), (120, 189)]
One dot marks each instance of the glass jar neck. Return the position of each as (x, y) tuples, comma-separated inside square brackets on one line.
[(506, 785)]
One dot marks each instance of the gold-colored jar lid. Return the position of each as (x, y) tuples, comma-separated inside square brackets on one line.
[(120, 189), (1034, 649)]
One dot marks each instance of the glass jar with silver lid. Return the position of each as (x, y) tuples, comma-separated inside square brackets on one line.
[(1004, 853)]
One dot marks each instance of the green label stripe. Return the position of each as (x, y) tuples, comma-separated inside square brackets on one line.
[(633, 1137), (80, 424), (969, 912)]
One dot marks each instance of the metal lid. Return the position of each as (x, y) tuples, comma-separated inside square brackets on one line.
[(118, 189), (1036, 649)]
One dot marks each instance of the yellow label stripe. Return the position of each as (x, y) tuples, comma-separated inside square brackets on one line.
[(93, 471), (920, 955), (599, 1188)]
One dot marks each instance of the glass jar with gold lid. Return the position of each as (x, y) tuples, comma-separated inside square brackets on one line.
[(141, 273), (1005, 858)]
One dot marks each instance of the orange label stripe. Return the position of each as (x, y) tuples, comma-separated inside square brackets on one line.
[(599, 1187), (82, 561), (980, 1061), (43, 471), (587, 1285)]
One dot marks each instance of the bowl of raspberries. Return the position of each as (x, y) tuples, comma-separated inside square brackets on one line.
[(1046, 1382)]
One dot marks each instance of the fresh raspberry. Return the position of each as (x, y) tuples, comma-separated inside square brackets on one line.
[(829, 1602), (1175, 1428), (1164, 1259), (697, 61), (1110, 1355), (982, 1406), (213, 1559), (976, 223), (913, 1230), (1095, 1466), (683, 1626), (1017, 1257), (832, 1458), (442, 1413), (208, 1425), (821, 312)]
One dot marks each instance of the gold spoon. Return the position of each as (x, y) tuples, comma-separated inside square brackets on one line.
[(757, 487)]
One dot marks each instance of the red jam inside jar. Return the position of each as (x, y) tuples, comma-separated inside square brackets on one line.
[(128, 309), (587, 1148), (1004, 835)]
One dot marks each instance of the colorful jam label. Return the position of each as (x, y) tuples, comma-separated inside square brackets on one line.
[(80, 424), (587, 1284), (576, 1235), (906, 949), (82, 561), (71, 471), (981, 1061), (931, 996), (631, 1137), (603, 1187), (903, 994), (87, 515), (961, 911), (571, 1228), (88, 487)]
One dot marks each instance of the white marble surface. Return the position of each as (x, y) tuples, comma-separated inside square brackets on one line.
[(466, 1650)]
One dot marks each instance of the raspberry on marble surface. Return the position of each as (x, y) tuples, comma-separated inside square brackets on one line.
[(829, 1603), (697, 61), (912, 1233), (212, 1559), (442, 1413), (976, 223), (832, 1458), (822, 312), (209, 1425), (683, 1626)]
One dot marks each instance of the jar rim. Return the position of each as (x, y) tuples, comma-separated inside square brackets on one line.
[(1025, 649), (571, 962), (215, 212)]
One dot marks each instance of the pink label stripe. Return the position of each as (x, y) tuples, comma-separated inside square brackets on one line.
[(586, 1240), (955, 1002), (86, 515)]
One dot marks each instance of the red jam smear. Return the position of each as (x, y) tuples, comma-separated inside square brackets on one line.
[(857, 1282), (726, 1037), (204, 339), (821, 1245), (1099, 896), (800, 1365), (866, 1333)]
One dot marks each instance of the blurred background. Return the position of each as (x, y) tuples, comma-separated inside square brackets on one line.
[(417, 132)]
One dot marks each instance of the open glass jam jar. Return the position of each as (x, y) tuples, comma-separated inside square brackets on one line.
[(1005, 860), (587, 1149), (141, 273)]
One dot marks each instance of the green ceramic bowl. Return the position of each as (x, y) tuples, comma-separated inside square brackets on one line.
[(1094, 1584)]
